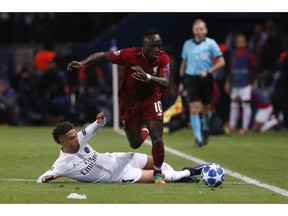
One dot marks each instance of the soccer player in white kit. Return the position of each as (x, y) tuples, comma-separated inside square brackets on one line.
[(79, 161)]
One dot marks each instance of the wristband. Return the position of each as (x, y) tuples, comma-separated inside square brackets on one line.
[(148, 77)]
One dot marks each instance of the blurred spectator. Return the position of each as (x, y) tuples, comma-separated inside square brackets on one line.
[(93, 94), (257, 40), (54, 95), (9, 106), (280, 93), (264, 120), (240, 81), (230, 39), (26, 83), (43, 57), (271, 49)]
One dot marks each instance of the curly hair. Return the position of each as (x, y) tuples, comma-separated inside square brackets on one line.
[(61, 129)]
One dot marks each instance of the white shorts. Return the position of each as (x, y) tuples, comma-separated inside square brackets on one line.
[(129, 166), (263, 115), (243, 93)]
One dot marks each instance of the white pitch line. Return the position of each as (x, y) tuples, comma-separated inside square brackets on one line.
[(228, 172), (20, 180)]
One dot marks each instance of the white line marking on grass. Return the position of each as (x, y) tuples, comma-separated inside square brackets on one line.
[(228, 172), (237, 183), (19, 180)]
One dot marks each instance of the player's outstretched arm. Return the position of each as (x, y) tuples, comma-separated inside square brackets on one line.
[(91, 59), (92, 129), (48, 176)]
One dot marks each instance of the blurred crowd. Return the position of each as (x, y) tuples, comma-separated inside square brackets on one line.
[(32, 28), (41, 91), (35, 88)]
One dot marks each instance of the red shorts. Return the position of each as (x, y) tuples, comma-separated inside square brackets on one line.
[(133, 114)]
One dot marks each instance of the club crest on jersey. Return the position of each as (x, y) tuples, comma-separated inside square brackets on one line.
[(116, 53), (155, 69), (84, 132), (86, 149), (167, 68)]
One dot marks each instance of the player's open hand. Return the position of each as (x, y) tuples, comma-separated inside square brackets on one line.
[(100, 117), (74, 64), (48, 178), (139, 74)]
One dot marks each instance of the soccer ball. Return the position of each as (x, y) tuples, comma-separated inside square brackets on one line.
[(212, 175)]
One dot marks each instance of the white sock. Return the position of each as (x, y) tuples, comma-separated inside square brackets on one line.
[(269, 124), (166, 167), (234, 112), (246, 107), (171, 176)]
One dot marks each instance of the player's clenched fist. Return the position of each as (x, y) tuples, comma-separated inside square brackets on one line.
[(100, 117)]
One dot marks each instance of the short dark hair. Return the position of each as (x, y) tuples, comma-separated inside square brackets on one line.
[(61, 129), (149, 32)]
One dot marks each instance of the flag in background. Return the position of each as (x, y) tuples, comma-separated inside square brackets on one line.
[(173, 110)]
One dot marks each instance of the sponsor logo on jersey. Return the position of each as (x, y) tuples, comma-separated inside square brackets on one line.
[(86, 149), (90, 163), (116, 53), (84, 132)]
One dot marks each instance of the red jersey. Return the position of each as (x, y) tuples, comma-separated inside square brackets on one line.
[(130, 88)]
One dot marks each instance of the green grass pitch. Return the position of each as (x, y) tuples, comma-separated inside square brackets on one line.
[(27, 152)]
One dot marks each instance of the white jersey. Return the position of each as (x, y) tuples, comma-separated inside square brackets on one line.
[(91, 166)]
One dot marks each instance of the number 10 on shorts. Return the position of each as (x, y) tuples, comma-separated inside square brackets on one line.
[(158, 108)]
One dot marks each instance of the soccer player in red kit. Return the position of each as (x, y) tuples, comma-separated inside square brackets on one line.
[(146, 70)]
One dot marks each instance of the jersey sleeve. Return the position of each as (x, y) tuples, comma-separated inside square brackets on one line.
[(56, 170), (216, 52), (90, 131), (184, 52), (119, 56), (165, 66)]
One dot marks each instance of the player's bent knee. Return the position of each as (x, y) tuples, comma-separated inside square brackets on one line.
[(135, 145), (157, 142)]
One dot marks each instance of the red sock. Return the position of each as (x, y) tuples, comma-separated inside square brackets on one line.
[(145, 133), (158, 158)]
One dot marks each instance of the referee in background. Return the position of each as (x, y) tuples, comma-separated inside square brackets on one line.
[(196, 71)]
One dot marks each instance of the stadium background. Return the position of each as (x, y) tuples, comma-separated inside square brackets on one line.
[(29, 151), (40, 100)]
